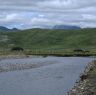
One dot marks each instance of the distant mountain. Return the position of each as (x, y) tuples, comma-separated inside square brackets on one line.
[(66, 27), (4, 29)]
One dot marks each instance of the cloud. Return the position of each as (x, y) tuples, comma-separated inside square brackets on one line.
[(10, 17), (34, 13), (45, 5)]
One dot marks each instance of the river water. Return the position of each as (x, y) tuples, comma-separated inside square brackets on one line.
[(46, 75)]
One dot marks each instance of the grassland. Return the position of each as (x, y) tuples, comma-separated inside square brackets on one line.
[(45, 41)]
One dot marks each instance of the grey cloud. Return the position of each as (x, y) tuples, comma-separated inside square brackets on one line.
[(78, 12), (45, 5)]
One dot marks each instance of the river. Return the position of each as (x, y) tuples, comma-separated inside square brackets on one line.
[(45, 76)]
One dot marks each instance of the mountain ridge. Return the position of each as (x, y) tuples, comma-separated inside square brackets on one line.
[(5, 29), (66, 27)]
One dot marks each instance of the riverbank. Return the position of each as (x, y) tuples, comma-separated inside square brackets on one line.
[(61, 53), (87, 83)]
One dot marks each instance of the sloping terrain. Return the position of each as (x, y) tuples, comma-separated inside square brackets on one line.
[(49, 39)]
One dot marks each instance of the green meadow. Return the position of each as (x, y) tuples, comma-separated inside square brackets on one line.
[(47, 41)]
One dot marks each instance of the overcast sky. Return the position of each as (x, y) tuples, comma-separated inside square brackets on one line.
[(42, 13)]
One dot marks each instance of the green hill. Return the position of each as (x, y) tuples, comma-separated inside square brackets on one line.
[(45, 39)]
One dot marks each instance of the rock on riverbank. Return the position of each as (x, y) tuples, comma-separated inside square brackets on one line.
[(87, 83)]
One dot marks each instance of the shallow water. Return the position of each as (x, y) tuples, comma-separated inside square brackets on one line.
[(51, 76)]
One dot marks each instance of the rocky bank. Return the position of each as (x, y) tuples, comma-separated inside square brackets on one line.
[(87, 83)]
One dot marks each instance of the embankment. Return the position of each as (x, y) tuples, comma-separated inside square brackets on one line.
[(87, 83)]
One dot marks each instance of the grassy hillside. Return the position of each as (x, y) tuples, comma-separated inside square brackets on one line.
[(45, 39)]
